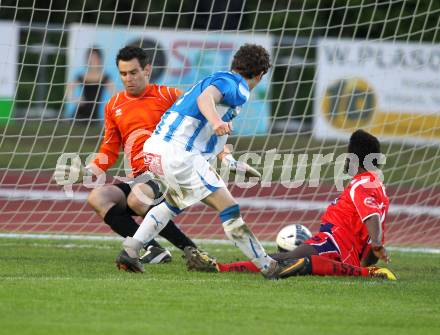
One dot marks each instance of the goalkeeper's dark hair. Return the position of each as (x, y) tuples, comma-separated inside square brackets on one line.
[(131, 52), (362, 144), (251, 60)]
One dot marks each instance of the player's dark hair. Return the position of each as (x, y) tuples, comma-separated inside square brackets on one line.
[(362, 144), (131, 52), (251, 60)]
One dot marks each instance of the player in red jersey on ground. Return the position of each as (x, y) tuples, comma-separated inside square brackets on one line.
[(351, 237)]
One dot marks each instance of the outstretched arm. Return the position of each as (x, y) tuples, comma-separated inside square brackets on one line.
[(106, 157), (375, 231)]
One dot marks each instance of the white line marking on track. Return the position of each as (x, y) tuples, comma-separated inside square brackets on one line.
[(253, 202)]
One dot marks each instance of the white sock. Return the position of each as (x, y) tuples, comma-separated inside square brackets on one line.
[(132, 247), (238, 232), (155, 220)]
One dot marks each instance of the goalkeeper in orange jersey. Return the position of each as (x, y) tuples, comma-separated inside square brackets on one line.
[(351, 235), (130, 117)]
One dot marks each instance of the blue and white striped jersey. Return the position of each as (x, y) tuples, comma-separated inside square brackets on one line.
[(184, 125)]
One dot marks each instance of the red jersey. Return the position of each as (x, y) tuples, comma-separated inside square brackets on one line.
[(129, 121), (363, 198)]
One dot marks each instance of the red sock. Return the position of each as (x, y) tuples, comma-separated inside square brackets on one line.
[(323, 266), (237, 267)]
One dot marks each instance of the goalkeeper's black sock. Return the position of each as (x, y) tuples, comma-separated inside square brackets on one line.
[(173, 234), (123, 224)]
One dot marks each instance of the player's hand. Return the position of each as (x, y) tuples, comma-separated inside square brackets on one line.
[(69, 174), (222, 128), (380, 252), (236, 166)]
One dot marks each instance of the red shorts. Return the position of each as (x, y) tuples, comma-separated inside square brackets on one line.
[(335, 243)]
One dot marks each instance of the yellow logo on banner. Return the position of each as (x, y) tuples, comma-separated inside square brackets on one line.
[(351, 103)]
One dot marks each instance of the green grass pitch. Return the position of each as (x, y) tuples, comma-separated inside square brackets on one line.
[(72, 287)]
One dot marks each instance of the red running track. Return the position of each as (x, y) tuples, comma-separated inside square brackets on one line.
[(404, 227)]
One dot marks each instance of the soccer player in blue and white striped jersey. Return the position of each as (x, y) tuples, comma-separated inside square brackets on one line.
[(191, 133)]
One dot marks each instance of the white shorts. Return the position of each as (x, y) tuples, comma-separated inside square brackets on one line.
[(187, 175)]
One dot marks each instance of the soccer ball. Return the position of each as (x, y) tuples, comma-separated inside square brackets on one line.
[(292, 236)]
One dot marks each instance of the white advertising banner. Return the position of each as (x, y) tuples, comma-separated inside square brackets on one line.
[(8, 64), (391, 89), (181, 58)]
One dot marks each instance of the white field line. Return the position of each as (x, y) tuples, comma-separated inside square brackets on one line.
[(107, 279), (421, 250), (254, 202)]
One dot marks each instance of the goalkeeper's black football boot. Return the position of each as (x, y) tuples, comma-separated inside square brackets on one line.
[(129, 264), (197, 260), (155, 255)]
